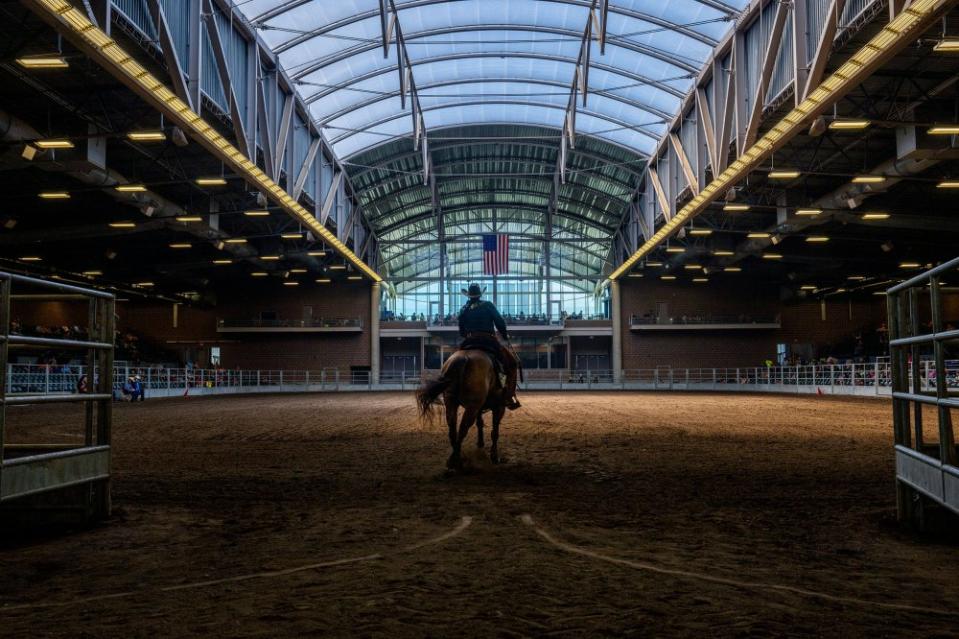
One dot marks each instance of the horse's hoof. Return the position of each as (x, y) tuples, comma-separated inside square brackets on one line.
[(454, 463)]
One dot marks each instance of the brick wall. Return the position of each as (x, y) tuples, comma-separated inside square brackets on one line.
[(803, 328), (648, 349)]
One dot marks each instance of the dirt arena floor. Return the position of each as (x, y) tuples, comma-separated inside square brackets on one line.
[(615, 514)]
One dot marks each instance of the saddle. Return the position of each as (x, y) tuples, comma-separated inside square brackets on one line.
[(490, 345)]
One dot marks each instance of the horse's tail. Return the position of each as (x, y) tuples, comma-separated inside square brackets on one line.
[(429, 393)]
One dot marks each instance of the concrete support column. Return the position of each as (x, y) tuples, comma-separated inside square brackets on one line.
[(617, 354), (375, 333)]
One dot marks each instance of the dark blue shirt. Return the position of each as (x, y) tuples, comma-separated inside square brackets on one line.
[(480, 316)]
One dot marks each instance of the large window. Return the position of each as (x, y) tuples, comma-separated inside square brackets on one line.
[(554, 299)]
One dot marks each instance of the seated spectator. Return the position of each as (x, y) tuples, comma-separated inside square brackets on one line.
[(82, 385)]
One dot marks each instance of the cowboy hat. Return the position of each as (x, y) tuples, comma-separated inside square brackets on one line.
[(473, 291)]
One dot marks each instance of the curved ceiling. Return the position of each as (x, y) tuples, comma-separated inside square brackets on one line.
[(492, 61), (495, 178)]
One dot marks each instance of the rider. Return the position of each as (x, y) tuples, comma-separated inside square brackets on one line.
[(479, 321)]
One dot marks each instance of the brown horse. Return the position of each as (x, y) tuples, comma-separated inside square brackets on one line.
[(468, 379)]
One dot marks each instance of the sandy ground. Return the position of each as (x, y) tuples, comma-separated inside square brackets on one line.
[(615, 515)]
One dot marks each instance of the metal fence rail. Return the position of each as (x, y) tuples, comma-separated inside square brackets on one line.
[(926, 463), (840, 379), (32, 468)]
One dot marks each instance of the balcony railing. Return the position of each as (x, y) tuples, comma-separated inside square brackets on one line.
[(705, 320), (314, 323)]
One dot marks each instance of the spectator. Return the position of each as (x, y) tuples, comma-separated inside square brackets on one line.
[(82, 385)]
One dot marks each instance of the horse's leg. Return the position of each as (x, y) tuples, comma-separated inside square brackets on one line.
[(451, 410), (498, 413), (479, 431), (469, 417)]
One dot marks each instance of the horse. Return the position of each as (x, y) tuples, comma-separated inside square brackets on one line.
[(467, 380)]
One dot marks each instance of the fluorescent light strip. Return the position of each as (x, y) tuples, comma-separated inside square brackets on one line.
[(783, 175), (875, 216), (944, 129), (189, 218), (116, 60), (54, 144), (735, 207), (43, 62), (31, 258), (849, 125), (903, 30), (948, 184), (130, 188), (55, 195), (147, 136), (868, 179), (256, 213), (817, 239), (808, 212), (122, 225), (700, 232), (211, 181)]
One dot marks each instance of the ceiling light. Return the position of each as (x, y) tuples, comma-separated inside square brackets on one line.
[(735, 207), (291, 236), (316, 253), (648, 263), (948, 184), (55, 195), (817, 239), (256, 213), (323, 280), (130, 188), (849, 125), (807, 287), (868, 179), (700, 280), (910, 265), (223, 261), (635, 275), (31, 258), (943, 129), (355, 277), (675, 249), (54, 144), (122, 225), (785, 174), (291, 283), (259, 274), (269, 258), (181, 245), (840, 290), (668, 278), (772, 256), (189, 218), (692, 267), (92, 273), (732, 269), (147, 136), (947, 45), (875, 216), (297, 270), (808, 212), (235, 240), (143, 284), (211, 181), (722, 253), (757, 236), (337, 267), (700, 231), (43, 62), (856, 278)]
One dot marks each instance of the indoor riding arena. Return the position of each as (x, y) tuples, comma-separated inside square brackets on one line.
[(479, 318)]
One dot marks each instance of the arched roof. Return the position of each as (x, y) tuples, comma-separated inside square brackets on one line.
[(495, 178), (492, 61)]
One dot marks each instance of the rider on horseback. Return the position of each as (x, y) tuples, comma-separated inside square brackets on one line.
[(479, 321)]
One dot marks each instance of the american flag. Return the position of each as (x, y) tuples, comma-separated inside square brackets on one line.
[(495, 254)]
